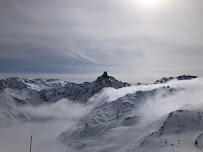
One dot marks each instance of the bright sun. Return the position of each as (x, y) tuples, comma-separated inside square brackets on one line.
[(149, 2)]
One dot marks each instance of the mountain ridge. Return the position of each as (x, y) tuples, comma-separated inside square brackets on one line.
[(182, 77), (108, 124)]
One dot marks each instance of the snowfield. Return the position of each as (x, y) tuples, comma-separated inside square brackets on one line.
[(105, 115)]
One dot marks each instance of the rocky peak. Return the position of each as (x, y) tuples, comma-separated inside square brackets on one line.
[(108, 81), (105, 75)]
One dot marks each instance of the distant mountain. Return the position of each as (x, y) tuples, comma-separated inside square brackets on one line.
[(112, 126), (29, 83), (183, 77), (82, 92), (15, 92)]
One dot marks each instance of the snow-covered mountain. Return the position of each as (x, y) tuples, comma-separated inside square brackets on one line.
[(102, 120), (119, 126), (16, 92), (183, 77), (29, 83), (180, 130), (82, 92), (116, 116)]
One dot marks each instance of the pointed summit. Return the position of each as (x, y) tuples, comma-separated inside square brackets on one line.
[(105, 75), (108, 81)]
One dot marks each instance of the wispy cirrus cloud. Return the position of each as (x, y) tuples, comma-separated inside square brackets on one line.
[(90, 36)]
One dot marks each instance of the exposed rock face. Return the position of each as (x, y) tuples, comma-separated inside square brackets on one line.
[(105, 75), (82, 92), (13, 83)]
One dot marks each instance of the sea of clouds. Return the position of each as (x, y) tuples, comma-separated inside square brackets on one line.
[(64, 114)]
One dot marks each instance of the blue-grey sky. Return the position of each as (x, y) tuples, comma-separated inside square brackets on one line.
[(76, 40)]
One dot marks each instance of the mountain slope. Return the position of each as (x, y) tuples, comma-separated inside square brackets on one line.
[(179, 130), (82, 92), (110, 116), (16, 92), (32, 84), (126, 124)]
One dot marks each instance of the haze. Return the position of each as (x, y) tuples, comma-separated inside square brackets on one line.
[(76, 40)]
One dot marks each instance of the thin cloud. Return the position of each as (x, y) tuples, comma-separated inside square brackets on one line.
[(91, 36)]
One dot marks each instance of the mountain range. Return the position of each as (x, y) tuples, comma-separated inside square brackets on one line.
[(119, 124)]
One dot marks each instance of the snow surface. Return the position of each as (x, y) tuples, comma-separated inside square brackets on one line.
[(108, 115)]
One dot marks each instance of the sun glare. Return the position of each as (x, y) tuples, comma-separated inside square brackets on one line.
[(149, 3)]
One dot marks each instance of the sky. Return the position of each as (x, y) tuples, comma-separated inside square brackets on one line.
[(76, 40)]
